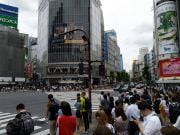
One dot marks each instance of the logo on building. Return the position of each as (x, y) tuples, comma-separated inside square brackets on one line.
[(8, 16)]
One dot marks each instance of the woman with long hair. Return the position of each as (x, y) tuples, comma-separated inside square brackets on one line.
[(121, 122), (103, 120), (66, 122)]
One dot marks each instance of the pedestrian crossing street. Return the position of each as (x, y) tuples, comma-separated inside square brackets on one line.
[(70, 97), (38, 130)]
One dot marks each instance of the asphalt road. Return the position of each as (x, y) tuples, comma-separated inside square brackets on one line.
[(35, 102)]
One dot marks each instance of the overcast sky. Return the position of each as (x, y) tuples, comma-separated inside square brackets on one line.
[(131, 19)]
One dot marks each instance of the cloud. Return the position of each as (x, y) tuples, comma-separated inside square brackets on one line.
[(143, 28), (131, 19), (146, 41)]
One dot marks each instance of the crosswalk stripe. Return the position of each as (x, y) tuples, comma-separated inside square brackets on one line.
[(37, 127), (4, 125), (4, 130), (12, 115), (45, 132), (42, 119), (5, 120), (4, 114)]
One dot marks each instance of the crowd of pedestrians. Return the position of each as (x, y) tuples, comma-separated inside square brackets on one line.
[(153, 112)]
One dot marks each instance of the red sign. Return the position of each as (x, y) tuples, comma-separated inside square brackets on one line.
[(170, 67), (28, 70)]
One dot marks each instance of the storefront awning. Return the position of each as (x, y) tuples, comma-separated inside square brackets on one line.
[(169, 80)]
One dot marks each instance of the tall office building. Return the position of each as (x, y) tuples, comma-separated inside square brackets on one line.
[(142, 52), (112, 57), (60, 55), (11, 46)]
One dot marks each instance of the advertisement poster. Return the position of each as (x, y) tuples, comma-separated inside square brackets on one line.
[(8, 16), (167, 27), (170, 67)]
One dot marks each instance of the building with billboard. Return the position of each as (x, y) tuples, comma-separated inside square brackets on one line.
[(8, 16), (60, 55), (12, 43), (166, 35)]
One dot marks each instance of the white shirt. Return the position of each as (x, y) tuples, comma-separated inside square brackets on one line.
[(177, 124), (113, 113), (152, 124), (110, 126), (132, 110), (100, 99)]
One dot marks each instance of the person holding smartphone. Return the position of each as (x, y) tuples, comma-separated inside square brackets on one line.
[(151, 124)]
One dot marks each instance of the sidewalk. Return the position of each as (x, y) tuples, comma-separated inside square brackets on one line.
[(90, 131)]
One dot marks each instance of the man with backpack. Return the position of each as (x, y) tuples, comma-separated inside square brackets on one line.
[(84, 111), (22, 124)]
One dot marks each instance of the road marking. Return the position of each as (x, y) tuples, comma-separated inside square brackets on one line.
[(42, 119), (3, 131), (4, 114), (5, 120), (12, 115), (45, 132), (35, 128)]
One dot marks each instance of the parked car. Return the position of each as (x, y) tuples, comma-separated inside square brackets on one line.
[(125, 88), (132, 85), (117, 88), (139, 86)]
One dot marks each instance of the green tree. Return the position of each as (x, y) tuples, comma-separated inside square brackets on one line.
[(112, 76), (118, 77), (146, 74), (123, 76)]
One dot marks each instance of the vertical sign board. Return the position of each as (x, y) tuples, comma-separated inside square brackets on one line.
[(167, 27), (8, 16), (170, 67)]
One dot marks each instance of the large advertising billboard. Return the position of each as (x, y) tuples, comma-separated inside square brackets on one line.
[(170, 67), (8, 16), (167, 27)]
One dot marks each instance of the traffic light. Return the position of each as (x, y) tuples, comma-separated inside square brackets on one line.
[(101, 70), (81, 68)]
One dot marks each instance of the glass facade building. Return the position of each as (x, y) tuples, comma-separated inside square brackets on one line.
[(111, 52), (61, 54)]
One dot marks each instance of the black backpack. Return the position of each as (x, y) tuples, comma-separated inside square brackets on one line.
[(28, 124), (174, 111), (14, 127)]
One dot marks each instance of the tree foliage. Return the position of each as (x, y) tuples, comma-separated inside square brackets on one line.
[(146, 74), (123, 76), (112, 75)]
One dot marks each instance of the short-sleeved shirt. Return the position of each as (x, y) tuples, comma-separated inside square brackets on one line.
[(53, 109), (152, 125), (67, 125), (83, 104)]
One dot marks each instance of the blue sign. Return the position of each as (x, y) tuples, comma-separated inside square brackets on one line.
[(8, 10)]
